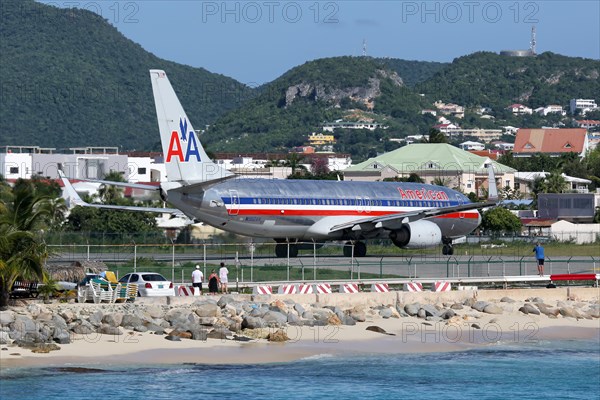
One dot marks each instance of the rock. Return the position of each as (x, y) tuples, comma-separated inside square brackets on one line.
[(475, 326), (293, 319), (430, 311), (59, 322), (422, 313), (67, 315), (322, 314), (110, 330), (593, 312), (140, 328), (456, 306), (480, 305), (308, 315), (506, 300), (131, 320), (385, 313), (570, 312), (199, 334), (547, 310), (275, 319), (298, 307), (44, 316), (113, 319), (45, 348), (529, 309), (181, 334), (224, 300), (348, 320), (220, 333), (61, 337), (34, 310), (493, 309), (159, 330), (96, 318), (177, 315), (7, 317), (154, 311), (469, 302), (412, 309), (278, 306), (84, 328), (238, 338), (334, 320), (358, 316), (207, 321), (374, 328), (535, 300), (5, 338), (448, 314), (173, 338), (278, 336), (250, 322)]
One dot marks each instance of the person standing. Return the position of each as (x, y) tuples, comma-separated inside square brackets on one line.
[(539, 256), (223, 272), (197, 277), (213, 282)]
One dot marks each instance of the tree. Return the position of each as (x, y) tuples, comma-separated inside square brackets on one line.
[(109, 194), (294, 161), (23, 213), (500, 220), (555, 183), (319, 166), (436, 136), (537, 186)]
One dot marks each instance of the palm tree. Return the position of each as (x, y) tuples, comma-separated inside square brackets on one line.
[(555, 183), (537, 186), (23, 213), (109, 193), (439, 181)]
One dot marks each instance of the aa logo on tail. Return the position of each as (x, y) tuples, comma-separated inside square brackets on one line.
[(179, 139)]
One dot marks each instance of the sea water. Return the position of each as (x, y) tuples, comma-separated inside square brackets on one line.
[(541, 370)]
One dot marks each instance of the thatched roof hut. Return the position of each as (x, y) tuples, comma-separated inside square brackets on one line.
[(76, 271)]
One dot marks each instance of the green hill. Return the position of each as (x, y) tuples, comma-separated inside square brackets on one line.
[(300, 101), (413, 72), (490, 80), (69, 78)]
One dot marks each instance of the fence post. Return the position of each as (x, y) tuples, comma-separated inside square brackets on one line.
[(134, 257), (521, 266), (448, 268), (469, 267), (409, 271), (488, 266), (381, 268), (569, 265), (314, 262)]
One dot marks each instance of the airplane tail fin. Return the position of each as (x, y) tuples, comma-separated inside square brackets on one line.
[(492, 188), (185, 159)]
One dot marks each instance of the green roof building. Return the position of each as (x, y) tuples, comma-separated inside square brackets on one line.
[(435, 163)]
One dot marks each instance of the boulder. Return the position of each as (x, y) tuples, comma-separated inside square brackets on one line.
[(224, 300), (275, 319), (412, 309), (421, 313), (154, 311), (547, 310), (529, 309), (7, 317), (447, 314), (173, 338), (506, 300), (113, 319), (61, 337), (96, 318), (181, 333), (299, 309), (479, 305), (23, 323), (84, 328), (131, 320), (348, 320), (430, 311), (469, 302), (334, 320), (308, 315), (322, 314), (178, 314), (219, 333), (293, 319), (110, 330), (493, 309), (67, 315), (140, 328), (570, 312), (251, 322), (5, 338), (199, 334), (456, 306), (358, 316), (385, 313)]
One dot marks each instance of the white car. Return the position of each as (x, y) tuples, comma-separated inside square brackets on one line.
[(150, 283)]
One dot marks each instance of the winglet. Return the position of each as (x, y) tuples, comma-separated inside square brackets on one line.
[(73, 198), (492, 188)]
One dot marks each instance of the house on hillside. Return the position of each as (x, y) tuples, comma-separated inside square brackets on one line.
[(519, 109), (469, 145), (584, 105), (523, 179), (551, 141), (551, 109), (434, 162)]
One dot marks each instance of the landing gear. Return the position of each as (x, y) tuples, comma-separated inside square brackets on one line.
[(447, 250), (360, 249), (281, 250)]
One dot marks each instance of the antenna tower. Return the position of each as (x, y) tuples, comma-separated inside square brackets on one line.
[(364, 51), (533, 41)]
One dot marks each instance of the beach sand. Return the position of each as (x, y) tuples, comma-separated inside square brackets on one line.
[(410, 335)]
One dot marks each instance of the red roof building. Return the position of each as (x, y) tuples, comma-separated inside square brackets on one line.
[(551, 141)]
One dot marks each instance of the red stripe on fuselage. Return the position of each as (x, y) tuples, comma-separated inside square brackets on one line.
[(336, 213)]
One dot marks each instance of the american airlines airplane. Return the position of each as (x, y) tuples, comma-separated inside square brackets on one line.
[(297, 214)]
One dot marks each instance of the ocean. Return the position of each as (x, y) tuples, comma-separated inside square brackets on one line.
[(565, 369)]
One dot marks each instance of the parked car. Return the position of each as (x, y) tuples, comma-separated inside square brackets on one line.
[(150, 284)]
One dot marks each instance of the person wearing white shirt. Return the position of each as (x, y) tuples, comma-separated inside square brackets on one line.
[(197, 278), (223, 271)]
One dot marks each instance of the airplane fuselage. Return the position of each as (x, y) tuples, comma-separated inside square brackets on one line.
[(305, 210)]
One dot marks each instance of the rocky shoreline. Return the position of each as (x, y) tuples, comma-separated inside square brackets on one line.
[(45, 327)]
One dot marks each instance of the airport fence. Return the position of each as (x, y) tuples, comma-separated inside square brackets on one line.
[(251, 262)]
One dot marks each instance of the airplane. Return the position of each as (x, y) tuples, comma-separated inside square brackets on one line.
[(297, 214)]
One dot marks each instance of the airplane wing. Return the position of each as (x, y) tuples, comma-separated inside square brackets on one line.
[(394, 220), (75, 200), (121, 184)]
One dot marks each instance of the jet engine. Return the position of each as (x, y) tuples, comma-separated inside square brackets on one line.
[(417, 234)]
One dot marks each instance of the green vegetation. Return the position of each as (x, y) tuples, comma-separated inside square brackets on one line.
[(500, 220), (413, 72), (69, 78)]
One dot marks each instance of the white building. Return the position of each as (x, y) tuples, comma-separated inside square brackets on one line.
[(472, 146), (551, 109), (584, 105), (330, 127), (519, 109)]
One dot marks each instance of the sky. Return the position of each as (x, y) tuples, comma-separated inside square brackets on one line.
[(257, 41)]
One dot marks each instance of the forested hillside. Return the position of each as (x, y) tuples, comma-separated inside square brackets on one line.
[(69, 78)]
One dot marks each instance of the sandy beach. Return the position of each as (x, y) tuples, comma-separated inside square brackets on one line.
[(404, 334)]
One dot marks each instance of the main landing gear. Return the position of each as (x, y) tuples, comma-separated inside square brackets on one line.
[(281, 250), (360, 249), (447, 250)]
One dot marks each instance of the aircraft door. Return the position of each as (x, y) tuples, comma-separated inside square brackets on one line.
[(460, 202), (234, 208)]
